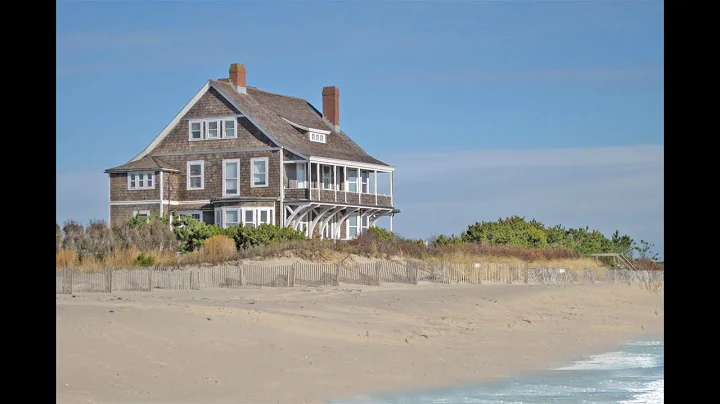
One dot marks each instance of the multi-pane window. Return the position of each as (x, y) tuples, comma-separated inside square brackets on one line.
[(353, 225), (141, 180), (231, 177), (195, 214), (317, 137), (365, 181), (300, 171), (352, 180), (249, 217), (213, 128), (195, 174), (327, 177), (259, 172), (231, 218)]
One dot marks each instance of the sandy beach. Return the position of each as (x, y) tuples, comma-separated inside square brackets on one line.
[(306, 345)]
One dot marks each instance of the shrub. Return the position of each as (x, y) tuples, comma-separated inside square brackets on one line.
[(65, 258), (382, 234), (191, 233), (58, 238), (145, 260), (265, 234), (73, 234), (218, 247)]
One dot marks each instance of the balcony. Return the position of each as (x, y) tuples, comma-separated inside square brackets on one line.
[(337, 184)]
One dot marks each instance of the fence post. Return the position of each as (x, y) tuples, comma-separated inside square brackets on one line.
[(446, 273), (527, 273), (150, 275), (377, 273), (67, 281), (337, 274), (242, 275), (414, 270), (192, 280), (293, 270), (108, 280)]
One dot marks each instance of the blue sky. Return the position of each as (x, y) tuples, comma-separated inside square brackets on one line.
[(546, 109)]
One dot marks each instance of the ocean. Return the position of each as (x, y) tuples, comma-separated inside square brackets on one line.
[(634, 373)]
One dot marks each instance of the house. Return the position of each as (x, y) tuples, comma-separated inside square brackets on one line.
[(239, 155)]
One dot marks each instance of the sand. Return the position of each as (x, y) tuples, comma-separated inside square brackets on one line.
[(306, 345)]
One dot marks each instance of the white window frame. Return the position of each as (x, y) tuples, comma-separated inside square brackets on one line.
[(202, 174), (364, 182), (190, 213), (301, 183), (252, 172), (218, 129), (204, 124), (145, 212), (330, 174), (147, 175), (348, 181), (329, 230), (317, 137), (225, 177), (356, 218), (241, 211)]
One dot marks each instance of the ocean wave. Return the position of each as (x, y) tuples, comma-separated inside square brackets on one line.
[(615, 361), (652, 393), (644, 343)]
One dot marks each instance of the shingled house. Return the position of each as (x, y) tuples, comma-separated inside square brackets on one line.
[(239, 155)]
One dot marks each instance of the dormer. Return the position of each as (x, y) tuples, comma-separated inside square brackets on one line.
[(313, 134)]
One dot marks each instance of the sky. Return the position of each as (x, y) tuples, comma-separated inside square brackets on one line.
[(552, 110)]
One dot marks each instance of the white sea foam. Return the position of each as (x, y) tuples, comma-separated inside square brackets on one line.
[(614, 361), (652, 393), (644, 343)]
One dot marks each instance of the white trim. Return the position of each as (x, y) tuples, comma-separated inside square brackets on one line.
[(170, 126), (156, 201), (305, 128), (295, 162), (161, 194), (236, 178), (317, 137), (202, 175), (297, 177), (204, 129), (190, 213), (241, 214), (221, 151), (330, 185), (146, 175), (145, 212), (357, 225), (282, 185), (252, 172), (352, 164)]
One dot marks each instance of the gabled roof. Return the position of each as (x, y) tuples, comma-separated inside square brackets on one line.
[(269, 109), (281, 118), (149, 163)]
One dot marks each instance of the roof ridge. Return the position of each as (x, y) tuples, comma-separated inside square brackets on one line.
[(278, 94)]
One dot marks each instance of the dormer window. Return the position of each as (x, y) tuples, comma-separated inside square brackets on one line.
[(317, 137), (213, 128)]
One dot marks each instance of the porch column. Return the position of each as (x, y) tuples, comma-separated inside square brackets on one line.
[(345, 190), (161, 193), (335, 187), (376, 181), (392, 174)]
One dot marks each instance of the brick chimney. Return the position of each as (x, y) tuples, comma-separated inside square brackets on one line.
[(331, 105), (238, 77)]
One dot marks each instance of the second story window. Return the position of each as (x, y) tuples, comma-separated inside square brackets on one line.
[(213, 128), (259, 172), (327, 177), (195, 175), (231, 177), (352, 180), (141, 180)]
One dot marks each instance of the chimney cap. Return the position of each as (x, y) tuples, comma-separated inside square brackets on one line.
[(330, 90)]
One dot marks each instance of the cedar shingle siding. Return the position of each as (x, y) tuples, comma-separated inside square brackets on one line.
[(276, 115)]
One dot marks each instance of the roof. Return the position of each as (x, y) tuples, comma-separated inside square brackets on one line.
[(145, 163), (269, 109)]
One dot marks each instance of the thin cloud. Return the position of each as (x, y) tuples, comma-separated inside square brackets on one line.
[(632, 74)]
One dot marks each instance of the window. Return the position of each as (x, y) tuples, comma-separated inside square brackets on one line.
[(195, 175), (352, 180), (327, 177), (231, 177), (141, 180), (230, 128), (231, 218), (141, 213), (259, 172), (317, 137), (365, 223), (353, 225), (195, 214), (300, 172), (249, 217), (213, 128), (364, 178), (371, 182)]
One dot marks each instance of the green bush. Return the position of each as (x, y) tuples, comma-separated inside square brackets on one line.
[(191, 233), (382, 234), (265, 234), (144, 260)]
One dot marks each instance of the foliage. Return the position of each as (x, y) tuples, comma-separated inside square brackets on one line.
[(58, 238), (218, 246), (645, 252), (443, 241), (265, 234), (145, 260), (381, 233), (191, 233)]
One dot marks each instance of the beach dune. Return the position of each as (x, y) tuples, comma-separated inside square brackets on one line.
[(306, 345)]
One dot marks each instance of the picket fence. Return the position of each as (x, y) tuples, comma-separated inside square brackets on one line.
[(316, 275)]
